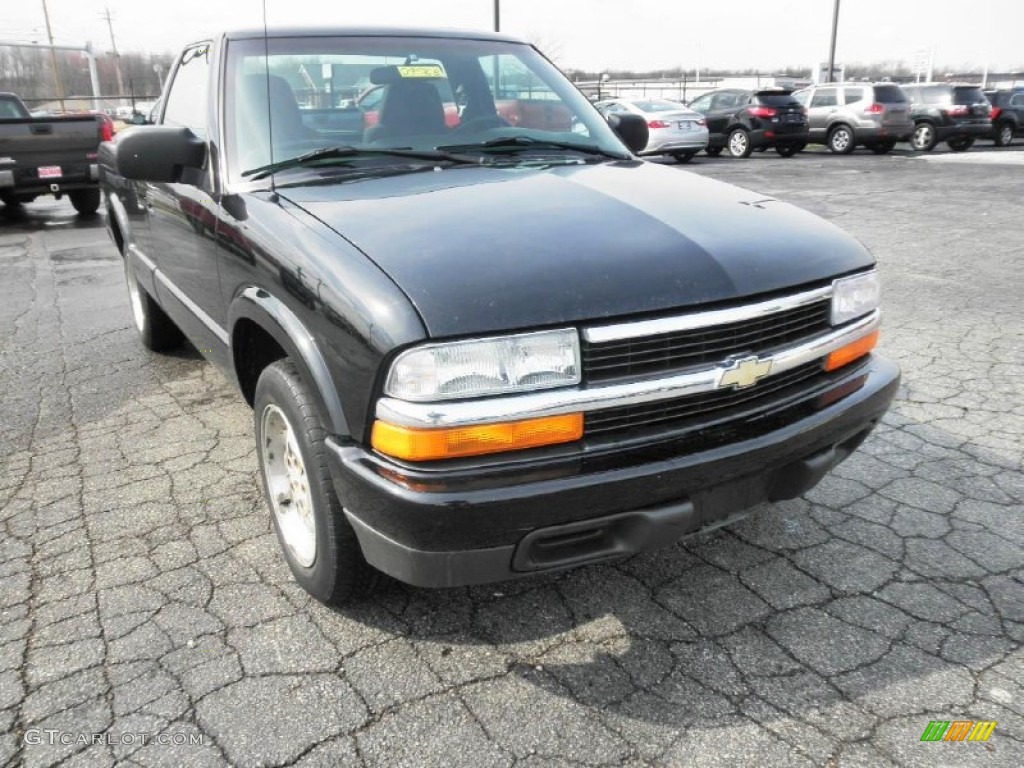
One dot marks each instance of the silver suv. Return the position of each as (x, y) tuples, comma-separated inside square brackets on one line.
[(845, 115)]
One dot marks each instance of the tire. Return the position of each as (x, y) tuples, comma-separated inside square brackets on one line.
[(85, 201), (787, 150), (882, 147), (739, 143), (1004, 134), (841, 140), (713, 151), (156, 330), (924, 138), (317, 541), (683, 157), (961, 144)]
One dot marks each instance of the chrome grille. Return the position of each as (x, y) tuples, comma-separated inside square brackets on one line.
[(705, 346), (709, 406)]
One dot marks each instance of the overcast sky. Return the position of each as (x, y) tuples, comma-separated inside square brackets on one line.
[(586, 34)]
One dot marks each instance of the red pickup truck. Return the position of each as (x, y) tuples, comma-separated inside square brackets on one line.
[(50, 155)]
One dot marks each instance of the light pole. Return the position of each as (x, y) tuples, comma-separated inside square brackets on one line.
[(832, 47), (497, 15), (53, 58)]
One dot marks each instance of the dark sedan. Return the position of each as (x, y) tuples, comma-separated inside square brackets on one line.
[(742, 121)]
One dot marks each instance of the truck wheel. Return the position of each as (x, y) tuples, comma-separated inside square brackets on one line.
[(841, 141), (1004, 134), (156, 330), (319, 544), (739, 143), (924, 139), (85, 201)]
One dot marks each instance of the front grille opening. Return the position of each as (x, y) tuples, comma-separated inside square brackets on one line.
[(700, 347)]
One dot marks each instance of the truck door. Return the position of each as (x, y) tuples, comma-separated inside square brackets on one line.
[(183, 217)]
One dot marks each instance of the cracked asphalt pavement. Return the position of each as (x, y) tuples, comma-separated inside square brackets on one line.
[(142, 591)]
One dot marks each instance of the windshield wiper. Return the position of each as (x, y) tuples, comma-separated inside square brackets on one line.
[(343, 152), (524, 143)]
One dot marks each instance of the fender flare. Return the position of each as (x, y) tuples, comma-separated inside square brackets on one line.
[(116, 207), (277, 319)]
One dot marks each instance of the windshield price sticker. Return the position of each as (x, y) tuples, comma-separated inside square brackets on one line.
[(421, 70)]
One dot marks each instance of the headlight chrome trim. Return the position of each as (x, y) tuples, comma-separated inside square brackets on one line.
[(584, 399)]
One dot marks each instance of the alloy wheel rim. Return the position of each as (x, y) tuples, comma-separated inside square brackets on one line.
[(1006, 134), (738, 143), (841, 140), (134, 298), (922, 136), (288, 485)]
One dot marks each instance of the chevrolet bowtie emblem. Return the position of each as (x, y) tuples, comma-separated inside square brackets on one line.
[(744, 373)]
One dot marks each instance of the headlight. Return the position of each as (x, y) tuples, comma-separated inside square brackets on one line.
[(478, 367), (855, 296)]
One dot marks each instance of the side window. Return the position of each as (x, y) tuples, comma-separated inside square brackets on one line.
[(724, 100), (853, 95), (703, 104), (933, 96), (9, 110), (802, 96), (1017, 100), (188, 98), (824, 97)]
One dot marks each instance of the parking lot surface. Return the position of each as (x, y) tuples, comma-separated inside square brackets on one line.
[(142, 591)]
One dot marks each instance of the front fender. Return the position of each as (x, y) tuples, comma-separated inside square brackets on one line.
[(277, 319)]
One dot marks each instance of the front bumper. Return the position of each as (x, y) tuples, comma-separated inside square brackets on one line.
[(431, 527)]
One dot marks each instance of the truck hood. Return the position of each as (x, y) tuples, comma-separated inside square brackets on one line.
[(480, 250)]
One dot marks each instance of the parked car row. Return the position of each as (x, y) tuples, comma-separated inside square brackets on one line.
[(840, 116)]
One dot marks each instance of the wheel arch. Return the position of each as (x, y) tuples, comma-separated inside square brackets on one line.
[(257, 316), (117, 221)]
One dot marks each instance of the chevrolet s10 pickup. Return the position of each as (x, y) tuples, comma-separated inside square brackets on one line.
[(480, 348)]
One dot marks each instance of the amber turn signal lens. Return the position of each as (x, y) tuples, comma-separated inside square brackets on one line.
[(849, 353), (412, 444)]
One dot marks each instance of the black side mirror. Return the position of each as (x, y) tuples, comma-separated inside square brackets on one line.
[(632, 129), (138, 119), (159, 153)]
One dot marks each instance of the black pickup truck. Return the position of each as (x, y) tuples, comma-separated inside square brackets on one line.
[(480, 348), (50, 155)]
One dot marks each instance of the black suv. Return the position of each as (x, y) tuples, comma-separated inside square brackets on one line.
[(956, 113), (742, 121), (1007, 115)]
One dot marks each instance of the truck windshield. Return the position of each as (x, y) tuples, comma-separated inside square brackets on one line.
[(299, 95)]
